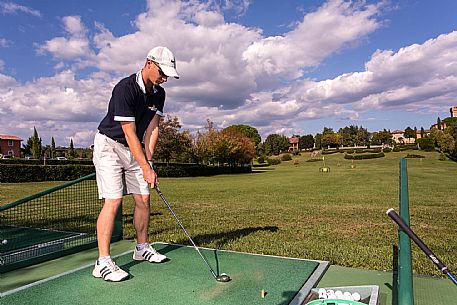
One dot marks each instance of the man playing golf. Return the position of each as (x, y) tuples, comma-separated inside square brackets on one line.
[(123, 151)]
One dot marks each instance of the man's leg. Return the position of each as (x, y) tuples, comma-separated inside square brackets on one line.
[(105, 224), (144, 251), (104, 266), (141, 217)]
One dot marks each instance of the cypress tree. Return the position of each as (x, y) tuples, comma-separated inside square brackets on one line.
[(53, 148)]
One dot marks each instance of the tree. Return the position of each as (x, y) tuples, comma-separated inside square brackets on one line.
[(409, 133), (438, 123), (318, 141), (36, 145), (248, 131), (71, 151), (53, 148), (306, 142), (276, 143), (172, 144), (331, 140), (422, 132)]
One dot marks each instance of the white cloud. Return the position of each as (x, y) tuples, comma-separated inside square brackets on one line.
[(231, 73), (74, 48), (11, 8), (320, 33), (4, 43)]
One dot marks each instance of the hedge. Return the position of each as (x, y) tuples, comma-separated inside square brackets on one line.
[(32, 173), (364, 156), (48, 162), (414, 156), (14, 173)]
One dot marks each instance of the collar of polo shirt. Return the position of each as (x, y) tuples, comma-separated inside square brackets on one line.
[(140, 82)]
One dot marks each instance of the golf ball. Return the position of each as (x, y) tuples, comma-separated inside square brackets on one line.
[(322, 293), (348, 296), (4, 242), (356, 296)]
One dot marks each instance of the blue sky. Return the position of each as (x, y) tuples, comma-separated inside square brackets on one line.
[(288, 67)]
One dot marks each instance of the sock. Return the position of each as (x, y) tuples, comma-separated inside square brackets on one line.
[(140, 247), (103, 260)]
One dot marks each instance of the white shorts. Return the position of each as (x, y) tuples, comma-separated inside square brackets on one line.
[(117, 171)]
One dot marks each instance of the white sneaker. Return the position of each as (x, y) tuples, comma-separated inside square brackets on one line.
[(148, 254), (109, 272)]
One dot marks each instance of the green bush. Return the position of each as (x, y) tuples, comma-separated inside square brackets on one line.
[(329, 152), (30, 173), (426, 144), (414, 156), (387, 150), (273, 161), (27, 173), (364, 156), (286, 157), (442, 157), (261, 160), (47, 161)]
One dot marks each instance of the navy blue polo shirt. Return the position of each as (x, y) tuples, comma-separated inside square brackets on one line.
[(131, 103)]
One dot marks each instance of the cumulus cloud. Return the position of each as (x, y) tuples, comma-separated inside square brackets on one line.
[(318, 35), (74, 47), (11, 8), (231, 73)]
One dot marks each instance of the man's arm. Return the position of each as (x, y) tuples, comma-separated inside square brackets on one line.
[(134, 144), (151, 137)]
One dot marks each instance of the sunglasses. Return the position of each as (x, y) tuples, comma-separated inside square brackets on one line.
[(160, 70)]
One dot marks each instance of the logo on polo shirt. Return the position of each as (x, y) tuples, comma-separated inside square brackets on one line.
[(153, 108)]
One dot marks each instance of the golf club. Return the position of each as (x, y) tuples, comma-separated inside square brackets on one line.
[(220, 278), (392, 214)]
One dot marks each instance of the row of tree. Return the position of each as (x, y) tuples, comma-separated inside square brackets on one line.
[(33, 148), (239, 144), (234, 145)]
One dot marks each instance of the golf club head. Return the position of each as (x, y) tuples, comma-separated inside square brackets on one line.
[(223, 277)]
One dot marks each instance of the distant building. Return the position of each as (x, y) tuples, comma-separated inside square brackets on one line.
[(399, 136), (10, 145), (453, 111), (293, 143)]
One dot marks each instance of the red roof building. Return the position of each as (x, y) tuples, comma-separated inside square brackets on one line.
[(10, 145)]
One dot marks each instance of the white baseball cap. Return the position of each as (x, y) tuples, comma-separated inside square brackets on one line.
[(165, 58)]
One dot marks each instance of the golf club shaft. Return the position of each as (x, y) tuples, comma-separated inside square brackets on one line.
[(395, 217), (185, 231)]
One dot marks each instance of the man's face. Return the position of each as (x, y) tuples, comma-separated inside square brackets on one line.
[(155, 74)]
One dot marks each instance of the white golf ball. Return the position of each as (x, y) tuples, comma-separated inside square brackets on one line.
[(330, 294), (348, 296), (4, 242), (338, 294), (356, 296)]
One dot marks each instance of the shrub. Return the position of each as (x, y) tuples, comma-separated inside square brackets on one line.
[(296, 153), (30, 173), (273, 161), (286, 157), (261, 160), (328, 152), (364, 156), (387, 149), (426, 144), (442, 157), (414, 156)]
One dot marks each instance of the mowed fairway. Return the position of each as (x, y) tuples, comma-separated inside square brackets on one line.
[(296, 211)]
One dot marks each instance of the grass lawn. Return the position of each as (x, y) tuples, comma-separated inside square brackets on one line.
[(297, 211)]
